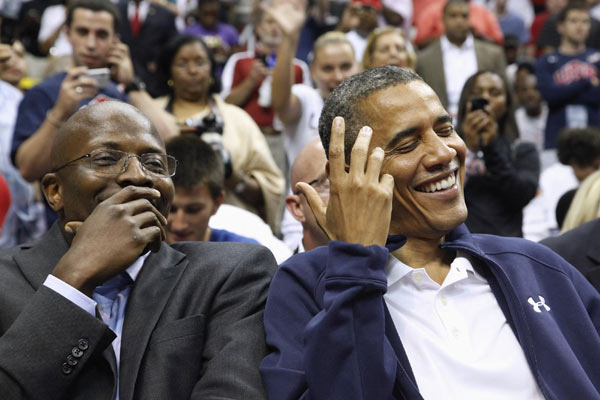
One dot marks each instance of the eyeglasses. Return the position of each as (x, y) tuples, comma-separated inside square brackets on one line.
[(320, 184), (115, 162)]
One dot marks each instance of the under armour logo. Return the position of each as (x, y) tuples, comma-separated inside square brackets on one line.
[(537, 304)]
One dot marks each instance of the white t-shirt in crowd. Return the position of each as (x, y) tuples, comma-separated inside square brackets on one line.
[(532, 129), (52, 18)]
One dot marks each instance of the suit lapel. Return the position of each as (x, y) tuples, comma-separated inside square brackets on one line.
[(593, 251), (440, 73), (38, 260), (146, 302)]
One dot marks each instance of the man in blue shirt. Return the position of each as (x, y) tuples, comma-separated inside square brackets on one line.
[(199, 192), (91, 27)]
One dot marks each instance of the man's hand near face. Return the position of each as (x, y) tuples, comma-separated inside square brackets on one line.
[(119, 60), (360, 200), (111, 238)]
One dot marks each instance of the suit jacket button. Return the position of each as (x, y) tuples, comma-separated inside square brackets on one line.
[(72, 361), (83, 344), (76, 352), (66, 369)]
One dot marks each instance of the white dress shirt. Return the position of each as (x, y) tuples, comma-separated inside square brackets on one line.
[(459, 64), (456, 337)]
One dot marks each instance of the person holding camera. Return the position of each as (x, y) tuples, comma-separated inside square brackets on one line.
[(252, 179), (501, 172)]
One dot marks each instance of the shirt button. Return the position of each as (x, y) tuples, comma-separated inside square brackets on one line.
[(418, 276), (83, 344), (72, 361), (455, 333), (444, 300), (76, 352), (66, 369)]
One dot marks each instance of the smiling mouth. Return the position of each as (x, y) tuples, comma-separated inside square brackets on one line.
[(446, 183)]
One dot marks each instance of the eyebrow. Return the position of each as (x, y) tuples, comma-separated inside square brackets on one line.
[(117, 146), (442, 119)]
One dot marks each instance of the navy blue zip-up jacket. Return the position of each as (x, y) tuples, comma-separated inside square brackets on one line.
[(331, 336)]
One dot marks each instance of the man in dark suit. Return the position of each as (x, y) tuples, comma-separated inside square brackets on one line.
[(187, 323), (146, 29), (578, 246), (457, 55)]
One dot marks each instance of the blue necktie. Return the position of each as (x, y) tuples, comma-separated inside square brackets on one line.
[(112, 298)]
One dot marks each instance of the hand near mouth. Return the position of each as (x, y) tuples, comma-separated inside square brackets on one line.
[(360, 200), (118, 230)]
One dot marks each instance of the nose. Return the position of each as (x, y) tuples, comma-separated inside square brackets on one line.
[(439, 154), (338, 76), (90, 41), (135, 174), (176, 221)]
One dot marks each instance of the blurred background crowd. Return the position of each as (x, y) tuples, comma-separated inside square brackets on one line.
[(236, 87)]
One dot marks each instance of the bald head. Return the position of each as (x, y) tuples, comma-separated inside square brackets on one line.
[(88, 121), (309, 164)]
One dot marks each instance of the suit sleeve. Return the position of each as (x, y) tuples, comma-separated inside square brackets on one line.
[(337, 349), (235, 335), (34, 349)]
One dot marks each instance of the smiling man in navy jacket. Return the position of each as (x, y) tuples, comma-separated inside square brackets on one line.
[(405, 302)]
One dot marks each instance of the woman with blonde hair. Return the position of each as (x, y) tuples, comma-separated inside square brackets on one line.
[(586, 203), (388, 46)]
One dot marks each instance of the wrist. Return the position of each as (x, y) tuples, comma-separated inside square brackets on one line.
[(135, 85)]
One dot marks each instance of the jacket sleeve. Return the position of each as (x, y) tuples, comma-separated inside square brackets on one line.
[(514, 176), (334, 348), (34, 349)]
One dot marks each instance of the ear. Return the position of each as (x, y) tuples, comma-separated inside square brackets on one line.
[(53, 191), (218, 201), (292, 203)]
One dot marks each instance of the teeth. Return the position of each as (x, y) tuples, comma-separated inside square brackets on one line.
[(440, 185)]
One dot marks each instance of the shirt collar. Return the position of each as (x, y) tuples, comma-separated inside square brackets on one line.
[(397, 270), (468, 44), (134, 269)]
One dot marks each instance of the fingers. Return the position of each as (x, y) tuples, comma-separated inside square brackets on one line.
[(72, 227), (360, 150), (148, 219), (374, 166), (316, 204), (143, 205), (130, 193), (336, 149)]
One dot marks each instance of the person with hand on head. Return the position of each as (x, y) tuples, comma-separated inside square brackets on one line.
[(502, 171), (92, 27), (308, 167), (108, 309), (252, 179), (405, 302)]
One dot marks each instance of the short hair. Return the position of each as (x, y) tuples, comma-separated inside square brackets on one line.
[(586, 203), (172, 48), (345, 101), (450, 2), (578, 145), (95, 5), (197, 164), (367, 59), (573, 5), (526, 65), (327, 39)]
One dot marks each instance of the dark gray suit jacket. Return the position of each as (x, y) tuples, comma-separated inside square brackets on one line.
[(430, 64), (580, 247), (193, 327)]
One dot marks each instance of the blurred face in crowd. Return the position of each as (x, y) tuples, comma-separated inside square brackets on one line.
[(490, 87), (528, 95), (425, 156), (208, 14), (191, 72), (189, 215), (91, 35), (331, 65), (456, 22), (390, 49), (576, 27), (14, 69), (268, 31)]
